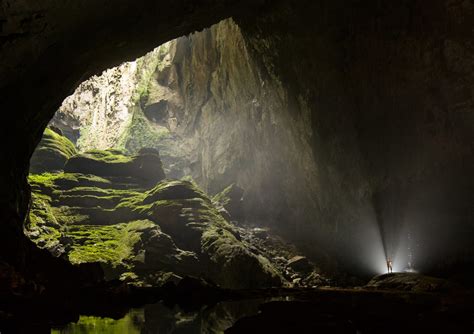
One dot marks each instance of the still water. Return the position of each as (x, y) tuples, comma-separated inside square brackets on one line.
[(157, 318)]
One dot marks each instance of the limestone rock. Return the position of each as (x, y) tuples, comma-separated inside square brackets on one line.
[(52, 152), (145, 166), (141, 234)]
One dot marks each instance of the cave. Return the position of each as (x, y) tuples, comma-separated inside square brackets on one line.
[(237, 166)]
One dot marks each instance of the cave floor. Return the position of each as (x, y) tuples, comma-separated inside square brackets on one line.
[(194, 309)]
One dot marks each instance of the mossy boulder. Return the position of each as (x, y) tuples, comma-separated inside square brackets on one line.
[(145, 166), (231, 264), (52, 152), (97, 211), (187, 215)]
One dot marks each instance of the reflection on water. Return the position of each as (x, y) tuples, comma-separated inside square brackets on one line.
[(132, 323), (157, 318)]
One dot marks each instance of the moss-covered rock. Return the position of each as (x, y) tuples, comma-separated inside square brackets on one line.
[(233, 265), (52, 152), (97, 211), (186, 214), (145, 166), (42, 226)]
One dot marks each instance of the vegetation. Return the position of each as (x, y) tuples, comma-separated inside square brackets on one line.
[(111, 156), (113, 244), (111, 220), (140, 133), (47, 183), (223, 196), (130, 324), (57, 142), (52, 152)]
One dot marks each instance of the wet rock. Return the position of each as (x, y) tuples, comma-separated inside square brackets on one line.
[(260, 233), (410, 282), (315, 279)]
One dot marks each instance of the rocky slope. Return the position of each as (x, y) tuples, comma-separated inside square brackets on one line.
[(119, 211)]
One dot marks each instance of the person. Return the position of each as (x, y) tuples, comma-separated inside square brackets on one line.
[(389, 265)]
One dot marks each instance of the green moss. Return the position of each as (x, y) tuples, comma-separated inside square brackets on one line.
[(140, 133), (238, 267), (57, 142), (69, 216), (96, 191), (132, 323), (42, 226), (52, 152), (108, 156), (223, 196), (51, 183), (112, 244)]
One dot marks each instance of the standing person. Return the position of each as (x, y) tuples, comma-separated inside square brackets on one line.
[(389, 265)]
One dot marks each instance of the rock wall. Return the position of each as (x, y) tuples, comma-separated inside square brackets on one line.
[(388, 91), (237, 125), (246, 123), (102, 107)]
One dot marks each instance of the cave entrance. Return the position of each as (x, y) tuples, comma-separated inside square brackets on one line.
[(143, 170)]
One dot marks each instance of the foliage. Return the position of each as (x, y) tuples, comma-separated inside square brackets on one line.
[(140, 133), (223, 196)]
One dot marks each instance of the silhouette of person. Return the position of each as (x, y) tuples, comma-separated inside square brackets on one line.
[(389, 265)]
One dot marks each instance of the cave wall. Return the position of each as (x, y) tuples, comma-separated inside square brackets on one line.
[(236, 127), (389, 88), (245, 122)]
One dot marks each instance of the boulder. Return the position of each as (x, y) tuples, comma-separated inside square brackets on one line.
[(52, 152), (410, 282), (145, 166), (161, 253)]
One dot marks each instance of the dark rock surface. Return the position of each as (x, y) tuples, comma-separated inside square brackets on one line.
[(411, 282)]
